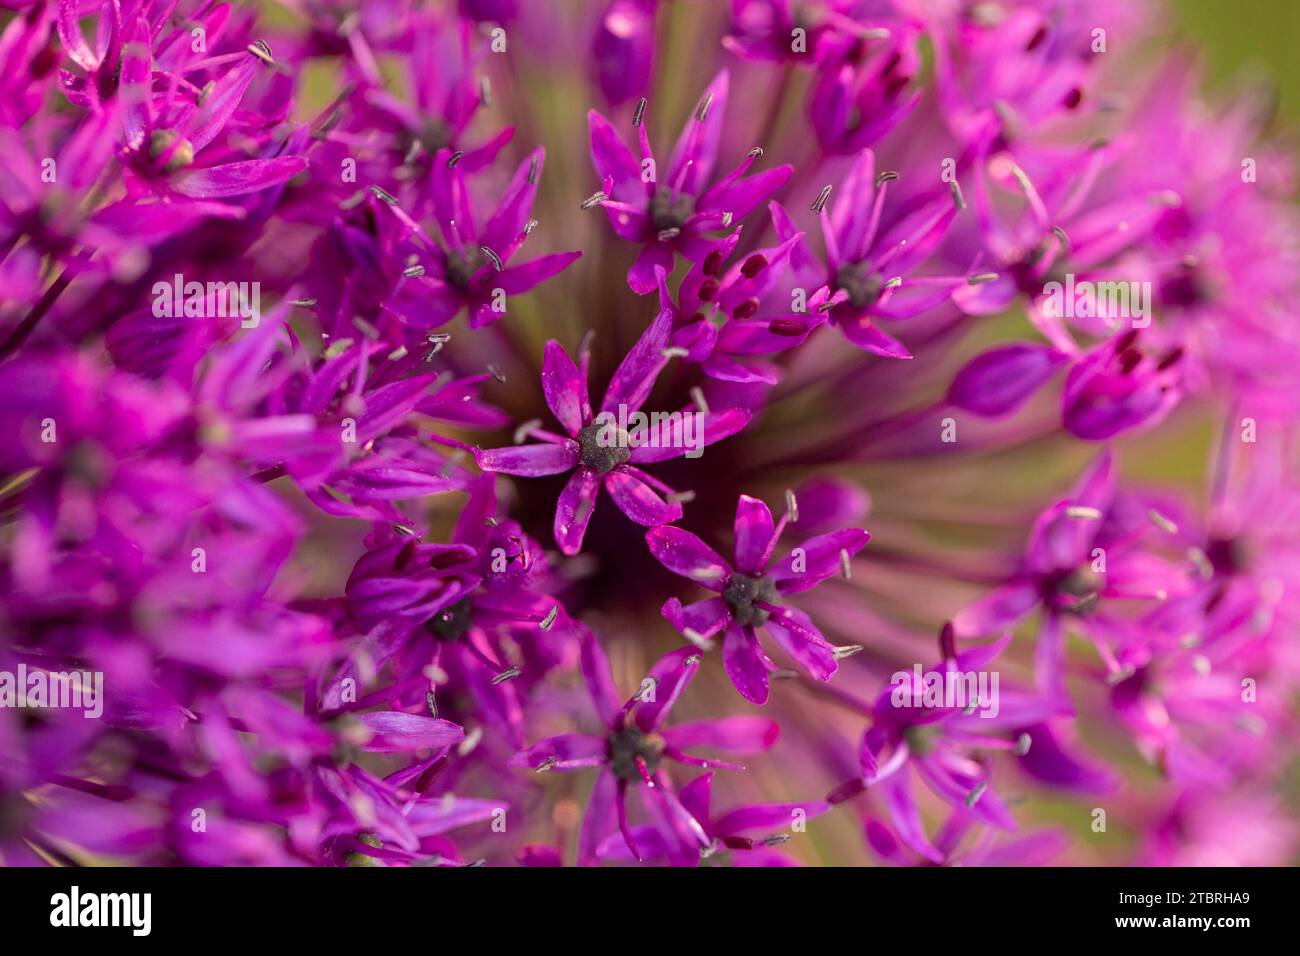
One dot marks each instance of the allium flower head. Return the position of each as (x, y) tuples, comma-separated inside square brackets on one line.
[(299, 566)]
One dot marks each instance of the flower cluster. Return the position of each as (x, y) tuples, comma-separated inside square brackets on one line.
[(316, 549)]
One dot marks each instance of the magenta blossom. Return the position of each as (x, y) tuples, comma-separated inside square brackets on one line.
[(728, 832), (724, 317), (674, 209), (631, 751), (471, 268), (940, 743), (1085, 551), (596, 450), (778, 31), (749, 595), (869, 258), (864, 86)]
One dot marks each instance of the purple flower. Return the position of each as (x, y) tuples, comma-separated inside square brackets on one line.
[(936, 742), (1121, 386), (599, 452), (446, 96), (469, 607), (1001, 380), (674, 209), (749, 595), (174, 141), (863, 87), (265, 601), (1085, 551), (722, 317), (991, 846), (869, 259), (727, 832), (471, 268), (1005, 71), (632, 746)]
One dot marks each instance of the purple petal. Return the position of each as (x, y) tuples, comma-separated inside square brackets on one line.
[(599, 678), (795, 632), (705, 618), (697, 795), (220, 102), (671, 674), (613, 160), (767, 816), (643, 276), (986, 298), (638, 500), (865, 335), (571, 751), (529, 461), (505, 228), (1049, 760), (906, 817), (696, 151), (855, 211), (623, 49), (672, 441), (516, 279), (753, 529), (650, 844), (683, 553), (741, 735), (817, 559), (573, 510), (433, 816), (995, 611), (1049, 659), (600, 819), (746, 664), (1001, 380), (396, 732), (740, 196), (827, 503), (564, 388), (237, 179), (635, 376)]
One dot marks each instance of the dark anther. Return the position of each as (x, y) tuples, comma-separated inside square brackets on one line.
[(626, 745), (451, 623), (462, 264), (862, 285), (597, 455), (668, 211), (740, 594)]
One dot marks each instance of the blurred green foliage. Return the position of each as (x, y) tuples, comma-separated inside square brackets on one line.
[(1260, 36)]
